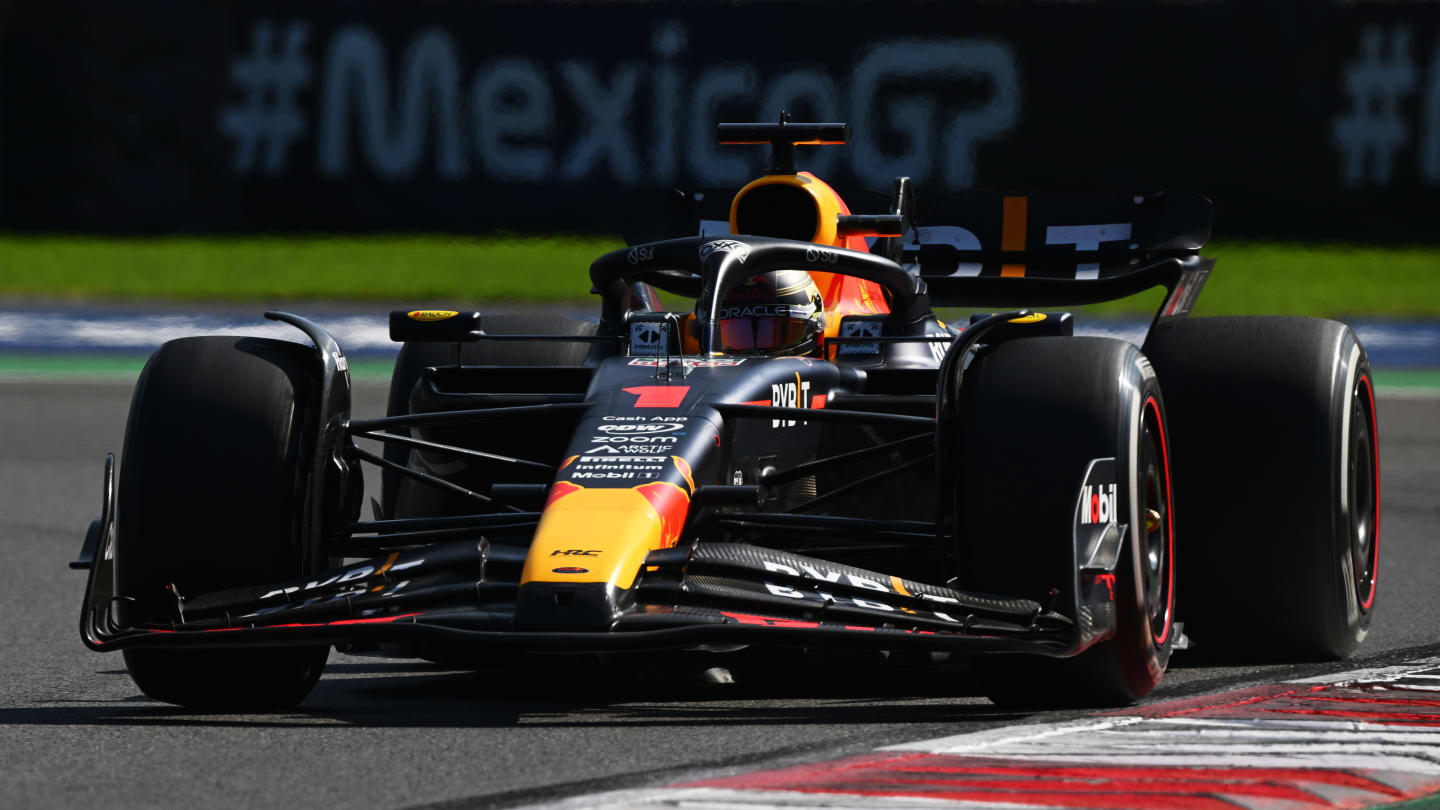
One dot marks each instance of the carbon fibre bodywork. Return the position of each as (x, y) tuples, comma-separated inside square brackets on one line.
[(666, 493), (713, 458)]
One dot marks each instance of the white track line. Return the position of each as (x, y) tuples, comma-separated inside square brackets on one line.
[(1351, 739)]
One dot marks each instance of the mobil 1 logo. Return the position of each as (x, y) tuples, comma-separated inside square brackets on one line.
[(1098, 527), (1098, 494)]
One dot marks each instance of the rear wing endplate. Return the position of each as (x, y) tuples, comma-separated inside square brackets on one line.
[(1053, 245), (988, 248)]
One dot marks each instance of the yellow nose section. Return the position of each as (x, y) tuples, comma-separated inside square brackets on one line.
[(603, 535)]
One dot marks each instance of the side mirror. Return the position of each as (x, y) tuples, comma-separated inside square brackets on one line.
[(434, 326)]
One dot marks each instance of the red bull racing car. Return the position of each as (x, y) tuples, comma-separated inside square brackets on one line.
[(806, 458)]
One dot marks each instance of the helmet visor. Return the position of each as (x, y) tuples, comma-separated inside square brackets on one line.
[(762, 334)]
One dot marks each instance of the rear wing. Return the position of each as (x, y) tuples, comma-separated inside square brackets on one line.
[(988, 248), (1003, 249)]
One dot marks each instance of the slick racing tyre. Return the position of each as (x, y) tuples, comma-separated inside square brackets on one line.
[(414, 358), (211, 497), (1035, 412), (1278, 475)]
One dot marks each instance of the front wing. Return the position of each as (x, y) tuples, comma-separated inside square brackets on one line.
[(465, 593)]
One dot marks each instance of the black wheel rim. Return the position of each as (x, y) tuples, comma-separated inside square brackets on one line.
[(1157, 548), (1364, 494)]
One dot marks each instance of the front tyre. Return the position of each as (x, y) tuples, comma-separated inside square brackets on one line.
[(211, 497), (1035, 413)]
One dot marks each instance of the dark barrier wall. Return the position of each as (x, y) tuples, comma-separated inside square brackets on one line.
[(1313, 120)]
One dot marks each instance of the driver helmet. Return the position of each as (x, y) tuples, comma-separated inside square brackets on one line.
[(776, 313)]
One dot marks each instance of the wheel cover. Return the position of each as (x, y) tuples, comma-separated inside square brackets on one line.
[(1364, 493), (1158, 533)]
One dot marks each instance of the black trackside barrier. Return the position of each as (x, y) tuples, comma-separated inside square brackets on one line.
[(446, 117)]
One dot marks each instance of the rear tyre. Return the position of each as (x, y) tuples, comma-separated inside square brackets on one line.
[(211, 497), (1278, 469), (1036, 411), (414, 358)]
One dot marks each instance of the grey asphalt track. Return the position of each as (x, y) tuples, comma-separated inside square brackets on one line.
[(376, 733)]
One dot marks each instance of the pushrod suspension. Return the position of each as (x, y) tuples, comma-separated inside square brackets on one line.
[(450, 448), (431, 480), (802, 470), (460, 417), (859, 482)]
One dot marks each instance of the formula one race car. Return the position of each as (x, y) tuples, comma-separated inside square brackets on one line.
[(807, 459)]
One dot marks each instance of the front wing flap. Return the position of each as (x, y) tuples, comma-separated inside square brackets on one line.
[(464, 592)]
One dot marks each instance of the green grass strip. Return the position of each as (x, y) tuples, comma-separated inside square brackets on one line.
[(126, 366), (1410, 379), (1251, 277), (41, 366), (400, 269)]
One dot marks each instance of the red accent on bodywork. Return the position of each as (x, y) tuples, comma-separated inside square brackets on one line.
[(671, 504), (1109, 581), (560, 489), (377, 619), (746, 618), (818, 401), (371, 620), (659, 396), (1175, 300)]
